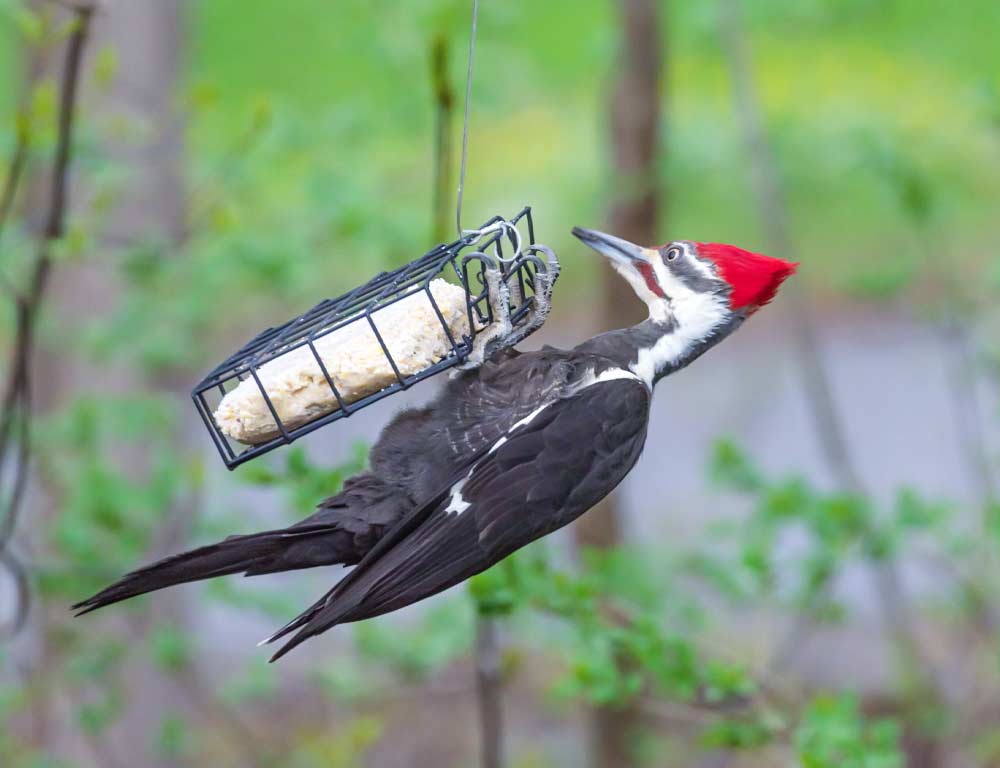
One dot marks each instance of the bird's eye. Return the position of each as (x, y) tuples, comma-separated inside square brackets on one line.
[(674, 252)]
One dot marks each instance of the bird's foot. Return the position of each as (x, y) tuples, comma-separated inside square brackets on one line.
[(545, 275), (502, 293), (492, 337)]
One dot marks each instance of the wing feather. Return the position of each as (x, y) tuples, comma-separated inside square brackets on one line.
[(537, 478)]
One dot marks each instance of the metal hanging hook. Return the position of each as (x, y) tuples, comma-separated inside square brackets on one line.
[(503, 226)]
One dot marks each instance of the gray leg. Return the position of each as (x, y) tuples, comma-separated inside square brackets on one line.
[(492, 338), (544, 280), (500, 294)]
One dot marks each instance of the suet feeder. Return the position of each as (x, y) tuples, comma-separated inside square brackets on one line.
[(488, 289)]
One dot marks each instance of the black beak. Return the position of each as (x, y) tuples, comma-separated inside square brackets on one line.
[(616, 249)]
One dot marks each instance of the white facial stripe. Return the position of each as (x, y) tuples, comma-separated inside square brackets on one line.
[(675, 288), (696, 315), (657, 306), (706, 271), (690, 257)]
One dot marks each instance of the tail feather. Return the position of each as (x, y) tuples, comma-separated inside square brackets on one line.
[(302, 546)]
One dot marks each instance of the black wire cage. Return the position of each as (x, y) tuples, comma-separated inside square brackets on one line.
[(474, 262)]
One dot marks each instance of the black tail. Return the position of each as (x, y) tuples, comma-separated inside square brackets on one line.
[(302, 546)]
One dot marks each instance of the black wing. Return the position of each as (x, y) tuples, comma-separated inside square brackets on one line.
[(479, 406), (549, 469)]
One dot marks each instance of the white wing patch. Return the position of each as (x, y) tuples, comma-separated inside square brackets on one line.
[(527, 419), (456, 504), (614, 374), (609, 374)]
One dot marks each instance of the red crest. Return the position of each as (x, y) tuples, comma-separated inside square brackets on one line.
[(755, 278)]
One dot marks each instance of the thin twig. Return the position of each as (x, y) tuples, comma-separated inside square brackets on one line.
[(444, 103), (97, 742), (7, 522), (13, 179), (10, 186), (21, 594), (962, 380), (488, 690), (16, 402), (968, 408), (241, 737)]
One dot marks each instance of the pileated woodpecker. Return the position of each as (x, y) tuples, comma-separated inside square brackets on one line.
[(508, 452)]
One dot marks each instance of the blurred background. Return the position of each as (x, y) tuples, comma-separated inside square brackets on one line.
[(802, 569)]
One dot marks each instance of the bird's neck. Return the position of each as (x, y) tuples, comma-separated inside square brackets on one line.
[(681, 332), (670, 339)]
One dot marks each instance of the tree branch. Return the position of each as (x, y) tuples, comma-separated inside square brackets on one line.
[(13, 180), (444, 103), (488, 692), (16, 402)]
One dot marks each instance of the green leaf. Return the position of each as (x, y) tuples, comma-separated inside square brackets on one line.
[(257, 681), (174, 738), (731, 468), (914, 512), (106, 66), (30, 24), (834, 734), (170, 648)]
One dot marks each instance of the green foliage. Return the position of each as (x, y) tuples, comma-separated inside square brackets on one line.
[(744, 732), (111, 508), (305, 483), (443, 635), (307, 170), (174, 740), (616, 646), (834, 734), (170, 648), (344, 747), (831, 530), (257, 681)]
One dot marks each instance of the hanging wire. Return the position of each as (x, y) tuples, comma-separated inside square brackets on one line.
[(465, 126), (505, 226)]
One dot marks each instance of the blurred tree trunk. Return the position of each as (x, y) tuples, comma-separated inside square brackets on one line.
[(635, 129), (36, 206), (145, 38), (926, 691)]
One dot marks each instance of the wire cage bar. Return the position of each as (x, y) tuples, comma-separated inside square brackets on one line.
[(466, 263)]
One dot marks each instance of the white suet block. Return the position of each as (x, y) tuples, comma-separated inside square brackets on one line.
[(299, 391)]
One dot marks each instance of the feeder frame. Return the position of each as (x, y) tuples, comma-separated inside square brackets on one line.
[(382, 291)]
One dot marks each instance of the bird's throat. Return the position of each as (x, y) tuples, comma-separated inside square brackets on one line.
[(688, 329)]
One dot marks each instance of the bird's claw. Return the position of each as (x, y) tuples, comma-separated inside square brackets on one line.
[(491, 338), (501, 293)]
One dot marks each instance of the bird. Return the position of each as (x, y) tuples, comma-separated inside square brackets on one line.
[(507, 452)]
